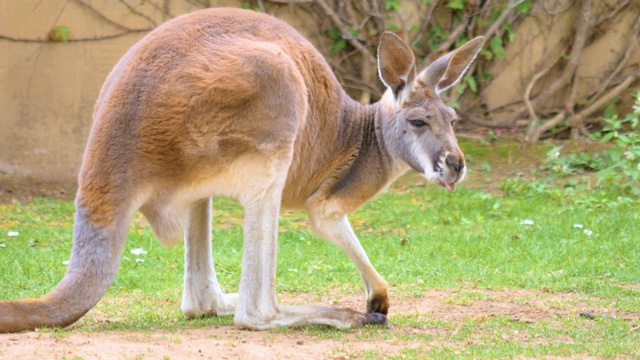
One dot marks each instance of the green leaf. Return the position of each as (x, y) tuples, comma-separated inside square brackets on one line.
[(583, 102), (461, 41), (488, 55), (607, 137), (495, 14), (471, 81), (509, 30), (610, 110), (393, 5), (524, 6), (456, 4), (498, 48), (392, 27), (334, 33), (338, 44), (59, 33)]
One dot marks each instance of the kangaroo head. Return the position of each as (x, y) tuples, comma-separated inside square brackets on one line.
[(417, 127)]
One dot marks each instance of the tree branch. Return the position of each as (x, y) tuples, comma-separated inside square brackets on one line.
[(605, 99), (501, 19), (631, 49), (101, 15), (533, 118), (98, 38), (343, 29), (569, 70), (134, 11)]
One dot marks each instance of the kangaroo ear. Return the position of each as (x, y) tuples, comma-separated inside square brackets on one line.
[(396, 63), (448, 69)]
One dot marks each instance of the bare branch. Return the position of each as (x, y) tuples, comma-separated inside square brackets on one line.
[(631, 50), (425, 23), (101, 15), (135, 11), (533, 118), (98, 38), (579, 117), (163, 9), (455, 34), (613, 13), (261, 6), (378, 15), (501, 19), (603, 100), (572, 64), (343, 29)]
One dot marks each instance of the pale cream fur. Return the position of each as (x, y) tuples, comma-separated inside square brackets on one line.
[(228, 102)]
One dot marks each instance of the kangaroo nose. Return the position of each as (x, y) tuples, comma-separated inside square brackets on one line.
[(454, 163)]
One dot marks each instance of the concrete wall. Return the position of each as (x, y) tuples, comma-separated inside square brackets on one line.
[(541, 37), (47, 90)]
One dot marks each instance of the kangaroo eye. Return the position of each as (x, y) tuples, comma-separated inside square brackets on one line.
[(417, 123)]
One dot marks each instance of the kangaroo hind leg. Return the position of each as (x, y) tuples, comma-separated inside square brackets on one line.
[(202, 294)]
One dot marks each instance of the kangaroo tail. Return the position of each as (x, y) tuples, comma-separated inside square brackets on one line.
[(93, 265)]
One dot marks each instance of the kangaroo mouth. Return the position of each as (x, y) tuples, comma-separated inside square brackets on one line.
[(446, 185), (440, 178)]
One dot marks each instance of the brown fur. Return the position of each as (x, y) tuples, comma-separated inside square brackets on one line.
[(226, 102)]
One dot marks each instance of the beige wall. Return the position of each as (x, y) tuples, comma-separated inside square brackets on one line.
[(47, 90), (541, 38)]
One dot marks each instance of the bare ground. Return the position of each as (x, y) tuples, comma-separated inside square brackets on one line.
[(226, 342)]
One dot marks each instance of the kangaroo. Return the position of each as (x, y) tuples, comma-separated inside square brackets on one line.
[(230, 102)]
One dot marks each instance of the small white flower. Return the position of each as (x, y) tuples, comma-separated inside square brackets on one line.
[(139, 260), (588, 232), (13, 233), (578, 226), (3, 245), (629, 155), (527, 222), (138, 251), (65, 262)]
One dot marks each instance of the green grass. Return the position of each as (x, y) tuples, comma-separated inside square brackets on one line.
[(418, 237)]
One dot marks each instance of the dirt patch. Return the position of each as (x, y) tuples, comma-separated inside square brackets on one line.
[(458, 305), (24, 188), (226, 342)]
